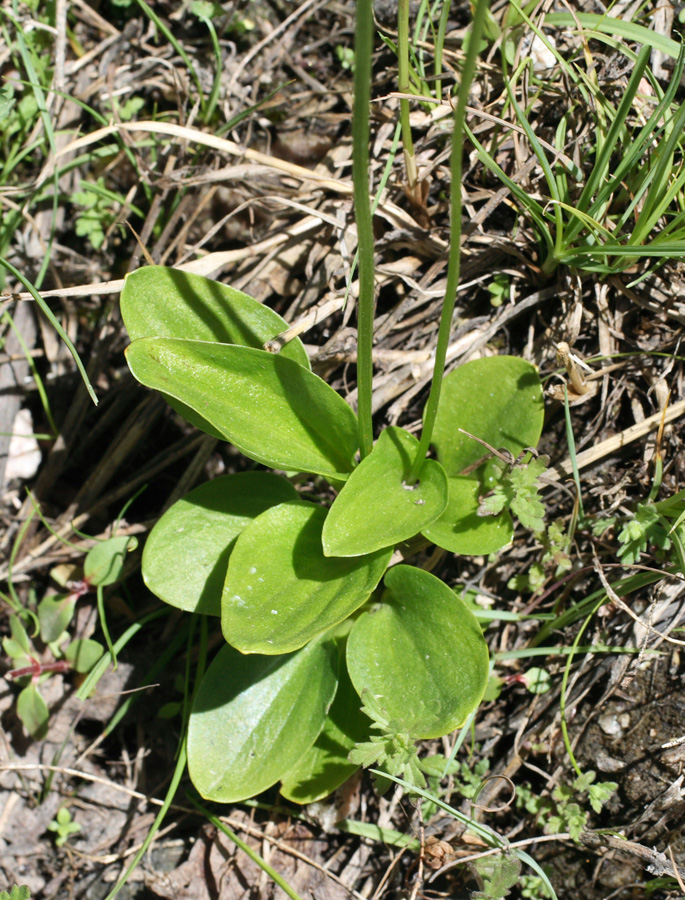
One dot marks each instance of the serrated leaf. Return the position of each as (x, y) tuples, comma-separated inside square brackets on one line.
[(325, 766), (600, 793), (33, 711), (461, 529), (377, 508), (255, 716), (498, 399), (281, 591), (272, 409), (54, 614), (18, 892), (186, 555), (499, 874), (422, 653), (104, 563)]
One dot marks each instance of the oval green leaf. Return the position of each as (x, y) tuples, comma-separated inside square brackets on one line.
[(83, 653), (324, 767), (281, 591), (54, 614), (421, 654), (460, 530), (498, 399), (104, 563), (376, 507), (160, 302), (33, 711), (272, 409), (186, 555), (255, 716)]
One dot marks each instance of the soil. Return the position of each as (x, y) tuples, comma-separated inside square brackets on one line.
[(625, 712)]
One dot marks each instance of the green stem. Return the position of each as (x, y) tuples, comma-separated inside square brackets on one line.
[(439, 45), (454, 262), (403, 87), (363, 48)]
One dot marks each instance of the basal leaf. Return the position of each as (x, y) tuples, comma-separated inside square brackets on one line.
[(160, 302), (497, 399), (186, 555), (376, 507), (272, 409), (324, 767), (421, 654), (460, 530), (281, 591), (255, 716)]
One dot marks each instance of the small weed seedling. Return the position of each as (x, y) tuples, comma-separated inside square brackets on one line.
[(102, 566), (316, 621), (63, 826), (18, 892), (564, 810)]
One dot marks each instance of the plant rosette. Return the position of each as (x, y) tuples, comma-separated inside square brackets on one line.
[(312, 614)]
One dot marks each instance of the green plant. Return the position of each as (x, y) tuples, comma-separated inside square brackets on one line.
[(102, 566), (296, 580), (564, 810), (497, 874), (63, 825), (532, 887), (288, 577), (18, 892), (626, 202), (100, 209)]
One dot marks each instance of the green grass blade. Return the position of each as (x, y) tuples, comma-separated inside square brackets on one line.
[(530, 205), (55, 324), (610, 144), (615, 27), (245, 847), (40, 387), (99, 670), (168, 34), (179, 771)]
